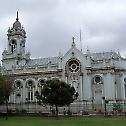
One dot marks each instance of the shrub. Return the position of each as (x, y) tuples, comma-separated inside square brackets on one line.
[(69, 112), (85, 113), (23, 111), (117, 107)]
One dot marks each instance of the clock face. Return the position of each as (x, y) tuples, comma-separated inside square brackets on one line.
[(73, 65)]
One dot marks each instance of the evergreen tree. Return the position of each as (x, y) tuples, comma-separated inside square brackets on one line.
[(57, 93)]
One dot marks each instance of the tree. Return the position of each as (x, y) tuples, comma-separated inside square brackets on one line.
[(57, 93), (5, 90)]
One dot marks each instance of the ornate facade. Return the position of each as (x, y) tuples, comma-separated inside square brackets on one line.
[(94, 75)]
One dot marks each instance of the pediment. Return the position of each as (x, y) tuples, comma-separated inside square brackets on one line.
[(73, 52)]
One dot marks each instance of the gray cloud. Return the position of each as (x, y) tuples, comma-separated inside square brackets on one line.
[(50, 24)]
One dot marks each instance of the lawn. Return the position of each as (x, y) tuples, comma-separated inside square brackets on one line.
[(66, 121)]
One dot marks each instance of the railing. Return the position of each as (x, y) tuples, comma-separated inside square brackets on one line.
[(74, 109)]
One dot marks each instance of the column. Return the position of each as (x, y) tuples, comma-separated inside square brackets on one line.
[(81, 86), (109, 87)]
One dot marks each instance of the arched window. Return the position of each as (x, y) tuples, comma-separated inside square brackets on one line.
[(30, 87), (13, 45), (18, 84), (41, 83)]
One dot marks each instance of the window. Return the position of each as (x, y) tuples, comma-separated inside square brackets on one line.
[(30, 83), (73, 65), (13, 45), (17, 62), (18, 84), (41, 83), (30, 88), (97, 79), (29, 96)]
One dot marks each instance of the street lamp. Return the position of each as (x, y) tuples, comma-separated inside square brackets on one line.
[(105, 101)]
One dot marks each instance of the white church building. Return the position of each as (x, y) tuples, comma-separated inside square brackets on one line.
[(94, 75)]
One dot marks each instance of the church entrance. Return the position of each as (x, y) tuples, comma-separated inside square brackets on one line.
[(97, 97), (97, 92)]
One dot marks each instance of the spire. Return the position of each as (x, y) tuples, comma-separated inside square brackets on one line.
[(17, 17), (17, 24), (73, 42)]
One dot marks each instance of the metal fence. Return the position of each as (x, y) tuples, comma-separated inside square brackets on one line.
[(78, 108)]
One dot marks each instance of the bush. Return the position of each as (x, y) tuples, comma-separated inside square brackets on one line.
[(10, 111), (69, 112), (85, 113), (117, 107), (23, 111), (17, 110)]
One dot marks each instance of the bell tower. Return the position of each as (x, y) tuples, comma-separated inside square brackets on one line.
[(16, 38), (15, 53)]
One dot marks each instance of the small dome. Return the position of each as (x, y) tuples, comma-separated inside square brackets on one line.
[(17, 25)]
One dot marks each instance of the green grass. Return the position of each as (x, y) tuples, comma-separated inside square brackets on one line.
[(66, 121)]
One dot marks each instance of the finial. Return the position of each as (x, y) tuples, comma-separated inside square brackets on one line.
[(17, 16), (73, 42), (73, 39)]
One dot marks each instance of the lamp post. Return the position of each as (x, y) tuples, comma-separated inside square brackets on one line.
[(104, 104)]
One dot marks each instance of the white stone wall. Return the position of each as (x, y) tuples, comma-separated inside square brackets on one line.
[(109, 86), (87, 87)]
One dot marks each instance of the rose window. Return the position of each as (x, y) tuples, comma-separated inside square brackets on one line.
[(73, 65)]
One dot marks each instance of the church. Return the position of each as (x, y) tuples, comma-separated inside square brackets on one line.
[(95, 76)]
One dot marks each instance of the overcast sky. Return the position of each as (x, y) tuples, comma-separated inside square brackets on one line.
[(51, 24)]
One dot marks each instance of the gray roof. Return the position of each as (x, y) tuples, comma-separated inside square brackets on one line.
[(104, 55), (53, 61)]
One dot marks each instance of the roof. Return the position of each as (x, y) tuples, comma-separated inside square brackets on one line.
[(53, 61), (104, 55)]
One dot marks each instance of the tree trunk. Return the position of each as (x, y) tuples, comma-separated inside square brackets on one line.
[(56, 111), (6, 109)]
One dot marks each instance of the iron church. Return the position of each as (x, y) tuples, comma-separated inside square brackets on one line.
[(94, 75)]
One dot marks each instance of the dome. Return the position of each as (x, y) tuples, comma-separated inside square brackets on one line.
[(17, 25)]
